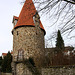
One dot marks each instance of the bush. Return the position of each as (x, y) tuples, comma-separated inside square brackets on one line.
[(31, 61)]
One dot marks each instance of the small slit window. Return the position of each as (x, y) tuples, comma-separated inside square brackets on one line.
[(36, 33), (17, 32)]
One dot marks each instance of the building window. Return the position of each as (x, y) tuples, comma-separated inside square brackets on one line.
[(15, 22), (36, 33), (17, 32), (20, 55)]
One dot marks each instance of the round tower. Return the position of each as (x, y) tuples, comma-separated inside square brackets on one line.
[(28, 35)]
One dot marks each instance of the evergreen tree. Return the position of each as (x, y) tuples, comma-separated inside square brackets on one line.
[(6, 64), (59, 42), (0, 60), (9, 60)]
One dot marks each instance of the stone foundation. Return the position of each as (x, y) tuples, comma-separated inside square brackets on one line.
[(58, 71), (44, 71), (26, 68), (6, 73)]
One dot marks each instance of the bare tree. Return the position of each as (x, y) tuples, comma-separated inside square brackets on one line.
[(61, 13), (61, 10)]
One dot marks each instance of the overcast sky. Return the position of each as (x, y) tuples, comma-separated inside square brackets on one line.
[(9, 8)]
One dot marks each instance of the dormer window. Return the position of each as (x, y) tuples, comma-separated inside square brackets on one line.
[(34, 19), (15, 22), (15, 19)]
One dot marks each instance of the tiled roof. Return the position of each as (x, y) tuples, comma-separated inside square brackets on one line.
[(26, 15), (4, 54)]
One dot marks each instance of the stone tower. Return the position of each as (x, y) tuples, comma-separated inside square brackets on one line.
[(28, 36)]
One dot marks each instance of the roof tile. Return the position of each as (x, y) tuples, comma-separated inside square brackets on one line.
[(26, 15)]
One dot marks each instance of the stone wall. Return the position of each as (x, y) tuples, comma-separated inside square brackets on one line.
[(46, 71), (58, 71), (52, 71), (26, 68), (29, 40), (22, 69), (6, 73)]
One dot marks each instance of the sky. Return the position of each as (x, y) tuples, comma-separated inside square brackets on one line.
[(8, 9)]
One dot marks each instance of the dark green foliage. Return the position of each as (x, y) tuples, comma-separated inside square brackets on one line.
[(0, 63), (6, 64), (59, 42), (9, 60), (31, 61), (0, 60)]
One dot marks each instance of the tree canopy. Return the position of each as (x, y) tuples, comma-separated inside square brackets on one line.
[(60, 13)]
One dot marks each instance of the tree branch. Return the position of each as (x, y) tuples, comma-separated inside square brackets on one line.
[(72, 2)]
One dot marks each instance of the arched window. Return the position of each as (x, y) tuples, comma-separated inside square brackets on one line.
[(20, 55)]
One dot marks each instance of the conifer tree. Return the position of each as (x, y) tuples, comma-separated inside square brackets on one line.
[(59, 42), (6, 63), (9, 60), (0, 60)]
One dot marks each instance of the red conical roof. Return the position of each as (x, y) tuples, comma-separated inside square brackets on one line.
[(26, 15)]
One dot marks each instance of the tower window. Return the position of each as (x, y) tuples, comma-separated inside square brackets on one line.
[(20, 55), (36, 33), (17, 32)]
